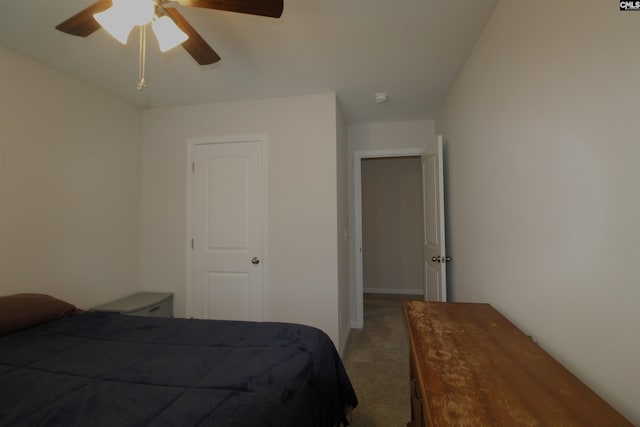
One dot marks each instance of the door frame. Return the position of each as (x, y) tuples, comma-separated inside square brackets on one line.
[(358, 323), (191, 143)]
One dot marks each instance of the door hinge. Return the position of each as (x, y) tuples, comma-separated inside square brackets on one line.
[(191, 243), (193, 167)]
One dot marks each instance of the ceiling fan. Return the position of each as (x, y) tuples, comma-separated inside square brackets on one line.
[(119, 17)]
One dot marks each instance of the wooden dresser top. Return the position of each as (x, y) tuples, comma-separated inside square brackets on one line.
[(475, 368)]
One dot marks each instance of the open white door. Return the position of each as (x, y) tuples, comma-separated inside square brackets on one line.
[(435, 258)]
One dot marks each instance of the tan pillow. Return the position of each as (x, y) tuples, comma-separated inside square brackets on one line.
[(22, 311)]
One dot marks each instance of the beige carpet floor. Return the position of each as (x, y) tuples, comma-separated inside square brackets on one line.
[(377, 361)]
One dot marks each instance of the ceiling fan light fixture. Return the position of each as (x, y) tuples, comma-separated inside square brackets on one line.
[(169, 35), (112, 21), (141, 12), (123, 15)]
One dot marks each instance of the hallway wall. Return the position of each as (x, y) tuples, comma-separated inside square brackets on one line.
[(392, 225)]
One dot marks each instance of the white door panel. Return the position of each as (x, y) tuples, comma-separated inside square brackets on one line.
[(432, 276), (226, 219), (228, 205), (229, 296), (430, 176)]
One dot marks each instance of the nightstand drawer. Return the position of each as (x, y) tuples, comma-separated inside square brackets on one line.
[(162, 309), (150, 304)]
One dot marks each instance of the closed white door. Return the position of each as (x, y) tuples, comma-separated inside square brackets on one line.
[(435, 258), (227, 231)]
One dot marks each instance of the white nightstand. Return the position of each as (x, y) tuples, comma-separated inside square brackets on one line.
[(151, 304)]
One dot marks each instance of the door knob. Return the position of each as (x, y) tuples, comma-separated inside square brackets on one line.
[(447, 259), (255, 260), (435, 258)]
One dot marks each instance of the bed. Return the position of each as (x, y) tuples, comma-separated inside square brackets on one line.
[(108, 369)]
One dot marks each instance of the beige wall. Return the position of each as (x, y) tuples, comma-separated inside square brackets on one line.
[(390, 135), (69, 173), (302, 199), (543, 148), (93, 195), (343, 229), (392, 225)]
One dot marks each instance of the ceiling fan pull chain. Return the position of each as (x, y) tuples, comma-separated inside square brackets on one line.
[(143, 53)]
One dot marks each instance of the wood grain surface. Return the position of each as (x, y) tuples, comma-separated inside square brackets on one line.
[(475, 368)]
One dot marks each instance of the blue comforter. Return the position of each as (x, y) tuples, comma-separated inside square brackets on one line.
[(105, 369)]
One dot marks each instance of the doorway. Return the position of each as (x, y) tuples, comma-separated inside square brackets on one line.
[(359, 156)]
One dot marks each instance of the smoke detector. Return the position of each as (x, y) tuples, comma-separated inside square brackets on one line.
[(380, 97)]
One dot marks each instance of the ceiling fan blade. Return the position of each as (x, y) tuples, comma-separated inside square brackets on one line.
[(82, 23), (271, 8), (197, 47)]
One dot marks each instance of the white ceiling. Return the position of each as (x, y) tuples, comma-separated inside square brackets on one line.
[(411, 49)]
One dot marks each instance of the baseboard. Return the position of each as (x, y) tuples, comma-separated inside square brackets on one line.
[(346, 343), (393, 291)]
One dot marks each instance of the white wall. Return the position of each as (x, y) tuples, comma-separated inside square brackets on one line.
[(375, 137), (390, 135), (543, 148), (302, 198), (343, 229), (69, 164)]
